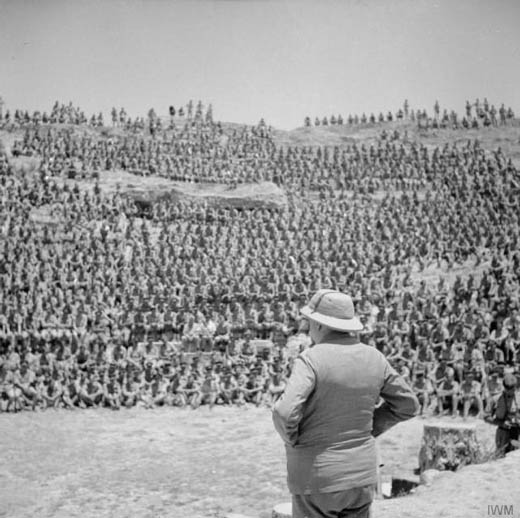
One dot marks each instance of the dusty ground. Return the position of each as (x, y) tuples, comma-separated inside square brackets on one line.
[(139, 463), (185, 464)]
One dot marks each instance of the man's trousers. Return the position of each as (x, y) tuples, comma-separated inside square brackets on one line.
[(351, 503)]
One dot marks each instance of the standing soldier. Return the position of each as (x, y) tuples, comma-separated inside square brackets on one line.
[(493, 115), (122, 117), (114, 117), (468, 109), (436, 110), (502, 113), (507, 416)]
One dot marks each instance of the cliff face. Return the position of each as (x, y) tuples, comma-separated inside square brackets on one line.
[(149, 189), (243, 196)]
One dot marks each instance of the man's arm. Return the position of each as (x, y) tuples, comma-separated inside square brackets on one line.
[(400, 403), (288, 411)]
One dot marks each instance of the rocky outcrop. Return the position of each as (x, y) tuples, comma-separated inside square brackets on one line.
[(448, 446), (149, 189)]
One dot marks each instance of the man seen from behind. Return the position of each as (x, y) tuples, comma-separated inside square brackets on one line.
[(329, 414)]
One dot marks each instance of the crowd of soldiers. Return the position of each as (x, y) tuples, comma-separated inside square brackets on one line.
[(191, 150), (480, 114), (63, 372), (59, 114), (101, 305)]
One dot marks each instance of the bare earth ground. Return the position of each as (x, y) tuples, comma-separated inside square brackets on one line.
[(183, 463)]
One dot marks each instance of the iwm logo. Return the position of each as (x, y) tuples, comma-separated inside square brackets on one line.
[(500, 510)]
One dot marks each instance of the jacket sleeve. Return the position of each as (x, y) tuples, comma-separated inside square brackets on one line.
[(399, 402), (288, 410)]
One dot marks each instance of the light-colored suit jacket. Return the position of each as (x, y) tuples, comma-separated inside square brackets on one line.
[(329, 414)]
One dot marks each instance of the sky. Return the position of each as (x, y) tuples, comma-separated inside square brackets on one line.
[(276, 59)]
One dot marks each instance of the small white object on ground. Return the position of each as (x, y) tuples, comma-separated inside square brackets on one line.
[(428, 476), (386, 488), (282, 510)]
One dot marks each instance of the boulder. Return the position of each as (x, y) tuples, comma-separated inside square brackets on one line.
[(148, 189), (243, 196), (448, 446)]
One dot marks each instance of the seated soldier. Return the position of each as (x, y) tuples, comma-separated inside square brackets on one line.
[(492, 389), (130, 392), (178, 388), (400, 366), (52, 393), (248, 349), (228, 387), (70, 393), (82, 357), (223, 332), (266, 321), (119, 354), (438, 373), (91, 391), (135, 355), (41, 387), (112, 394), (192, 391), (25, 380), (142, 381), (423, 388), (241, 380), (459, 350), (470, 392), (448, 393), (409, 355), (170, 383), (15, 400), (4, 386), (210, 388), (158, 391), (478, 363), (380, 335), (275, 388), (139, 326), (425, 357), (252, 390)]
